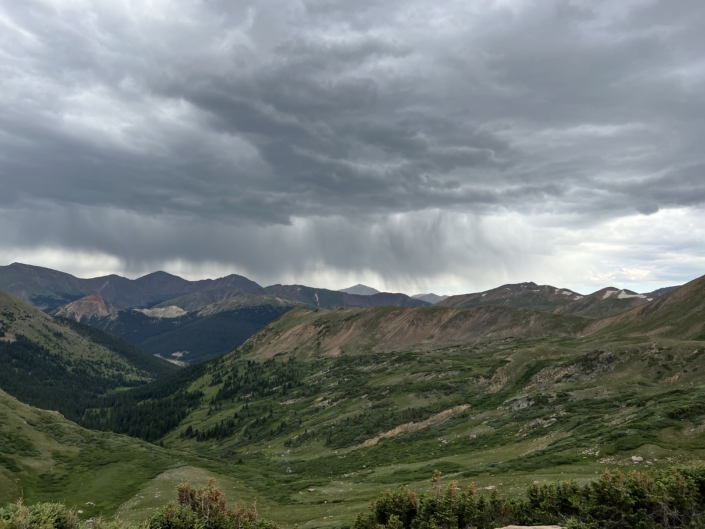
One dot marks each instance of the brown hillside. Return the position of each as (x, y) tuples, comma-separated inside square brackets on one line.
[(85, 308), (304, 332)]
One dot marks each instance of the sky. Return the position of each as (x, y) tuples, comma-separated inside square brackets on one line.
[(410, 145)]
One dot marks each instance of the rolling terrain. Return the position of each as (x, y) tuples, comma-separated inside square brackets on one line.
[(46, 458), (321, 410), (332, 407)]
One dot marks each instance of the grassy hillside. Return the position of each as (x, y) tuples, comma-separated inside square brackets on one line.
[(304, 332), (61, 365), (333, 406), (45, 458)]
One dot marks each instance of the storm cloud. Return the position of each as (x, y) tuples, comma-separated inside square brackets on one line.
[(410, 144)]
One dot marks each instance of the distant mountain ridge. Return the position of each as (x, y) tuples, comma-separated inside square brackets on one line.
[(430, 298), (179, 335), (185, 330), (180, 320), (605, 302), (332, 299), (48, 289)]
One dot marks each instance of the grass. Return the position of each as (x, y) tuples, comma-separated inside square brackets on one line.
[(601, 405)]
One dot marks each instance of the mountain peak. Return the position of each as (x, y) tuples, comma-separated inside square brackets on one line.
[(159, 274), (360, 290)]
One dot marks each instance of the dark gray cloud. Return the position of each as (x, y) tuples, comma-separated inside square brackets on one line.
[(356, 137)]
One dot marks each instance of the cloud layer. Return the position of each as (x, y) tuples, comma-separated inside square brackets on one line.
[(411, 144)]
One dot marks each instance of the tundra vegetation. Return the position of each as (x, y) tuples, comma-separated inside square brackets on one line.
[(323, 409)]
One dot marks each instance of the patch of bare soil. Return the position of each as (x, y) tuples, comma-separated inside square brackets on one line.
[(415, 426)]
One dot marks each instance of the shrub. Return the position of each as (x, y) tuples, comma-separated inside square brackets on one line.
[(39, 516), (648, 500), (206, 508)]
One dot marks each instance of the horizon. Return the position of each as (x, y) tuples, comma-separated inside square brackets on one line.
[(582, 292)]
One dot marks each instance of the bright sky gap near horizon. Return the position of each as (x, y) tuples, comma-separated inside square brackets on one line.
[(409, 145)]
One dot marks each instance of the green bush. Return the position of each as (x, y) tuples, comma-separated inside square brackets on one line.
[(649, 500), (39, 516), (206, 508)]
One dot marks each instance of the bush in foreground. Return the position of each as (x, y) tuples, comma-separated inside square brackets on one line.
[(206, 508), (40, 516), (648, 500)]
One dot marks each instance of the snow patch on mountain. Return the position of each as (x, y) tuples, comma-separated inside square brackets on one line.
[(623, 295), (164, 312)]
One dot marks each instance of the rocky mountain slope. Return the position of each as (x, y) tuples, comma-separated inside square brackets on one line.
[(85, 308), (679, 314)]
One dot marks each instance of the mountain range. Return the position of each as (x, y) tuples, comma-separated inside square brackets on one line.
[(604, 302), (321, 408), (183, 321), (190, 321)]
